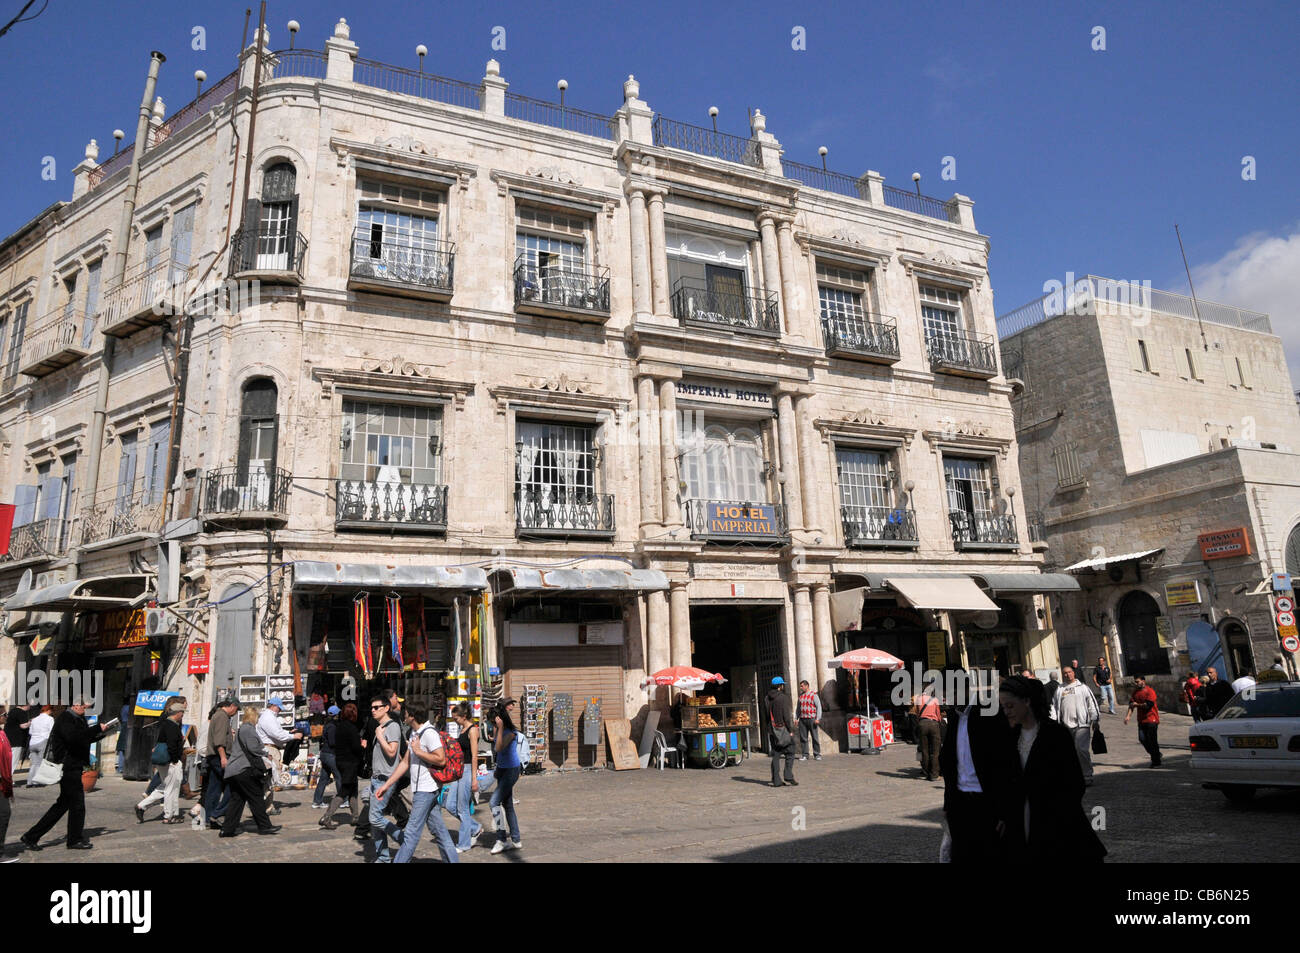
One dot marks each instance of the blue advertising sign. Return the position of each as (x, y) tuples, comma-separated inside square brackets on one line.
[(734, 519), (152, 702)]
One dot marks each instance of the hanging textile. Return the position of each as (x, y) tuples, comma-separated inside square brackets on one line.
[(415, 622), (361, 635), (393, 606)]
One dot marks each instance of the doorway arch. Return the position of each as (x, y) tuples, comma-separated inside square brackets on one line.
[(232, 654), (1137, 630)]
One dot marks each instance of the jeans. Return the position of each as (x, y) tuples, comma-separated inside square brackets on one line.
[(1108, 696), (216, 797), (121, 763), (425, 810), (1148, 735), (329, 770), (72, 801), (464, 798), (777, 754), (170, 794), (503, 804), (1083, 747), (381, 827), (809, 727), (37, 755)]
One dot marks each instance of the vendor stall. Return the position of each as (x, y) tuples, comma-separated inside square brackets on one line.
[(870, 730), (714, 735)]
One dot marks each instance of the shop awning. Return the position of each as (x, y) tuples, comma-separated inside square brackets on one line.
[(1000, 583), (958, 594), (1094, 565), (82, 595), (314, 575), (529, 579), (846, 609)]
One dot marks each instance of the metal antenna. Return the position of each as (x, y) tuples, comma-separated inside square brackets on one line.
[(1195, 306)]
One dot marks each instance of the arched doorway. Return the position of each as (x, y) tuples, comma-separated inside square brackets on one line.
[(1293, 552), (1236, 640), (232, 654), (1137, 631)]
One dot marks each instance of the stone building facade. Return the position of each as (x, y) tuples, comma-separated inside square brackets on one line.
[(1159, 451), (595, 395)]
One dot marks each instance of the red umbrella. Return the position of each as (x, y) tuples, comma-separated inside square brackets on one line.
[(866, 659), (684, 677)]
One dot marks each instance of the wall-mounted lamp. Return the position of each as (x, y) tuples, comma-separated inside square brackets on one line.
[(345, 437), (435, 444), (294, 27)]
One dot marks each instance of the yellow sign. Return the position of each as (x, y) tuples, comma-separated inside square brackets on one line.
[(1287, 631), (936, 649), (1164, 631), (1183, 593)]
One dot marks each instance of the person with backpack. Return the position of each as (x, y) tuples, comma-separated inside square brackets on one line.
[(467, 786), (387, 751), (507, 773), (431, 761), (168, 754), (329, 768)]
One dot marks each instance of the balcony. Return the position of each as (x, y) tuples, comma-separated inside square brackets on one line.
[(872, 338), (578, 295), (920, 204), (392, 506), (671, 134), (246, 495), (563, 513), (60, 339), (268, 253), (148, 295), (44, 539), (963, 353), (737, 522), (125, 510), (695, 304), (424, 270), (879, 527), (987, 532)]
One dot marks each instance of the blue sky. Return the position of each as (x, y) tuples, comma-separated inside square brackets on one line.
[(1076, 159)]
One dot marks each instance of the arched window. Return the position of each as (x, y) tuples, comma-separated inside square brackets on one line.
[(1143, 654), (258, 433), (272, 246), (723, 464)]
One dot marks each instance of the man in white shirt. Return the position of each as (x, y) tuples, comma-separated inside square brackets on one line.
[(274, 737), (1238, 685), (40, 730), (1075, 707), (423, 754)]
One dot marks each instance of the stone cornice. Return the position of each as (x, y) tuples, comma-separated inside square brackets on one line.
[(553, 181), (404, 154), (944, 268), (396, 377), (866, 426), (845, 245), (557, 393), (968, 435)]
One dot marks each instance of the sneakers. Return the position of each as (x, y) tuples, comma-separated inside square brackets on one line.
[(817, 757), (9, 860), (803, 757), (462, 850), (318, 807), (503, 845), (139, 815)]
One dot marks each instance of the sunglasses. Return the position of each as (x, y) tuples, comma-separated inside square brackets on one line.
[(377, 707)]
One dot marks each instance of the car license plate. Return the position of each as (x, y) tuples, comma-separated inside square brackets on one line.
[(1252, 741)]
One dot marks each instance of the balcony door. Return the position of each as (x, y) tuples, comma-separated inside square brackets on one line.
[(557, 463), (258, 437), (552, 267), (727, 292), (276, 220), (970, 496)]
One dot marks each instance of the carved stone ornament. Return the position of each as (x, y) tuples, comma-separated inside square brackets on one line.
[(943, 258), (554, 174), (871, 418), (967, 428), (848, 235), (405, 143), (398, 366), (562, 385)]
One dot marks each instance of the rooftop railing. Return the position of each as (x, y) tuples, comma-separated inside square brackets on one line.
[(409, 82), (543, 113), (197, 109), (309, 64), (816, 178), (920, 204), (672, 134)]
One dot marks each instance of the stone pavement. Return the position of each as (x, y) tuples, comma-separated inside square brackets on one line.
[(852, 808)]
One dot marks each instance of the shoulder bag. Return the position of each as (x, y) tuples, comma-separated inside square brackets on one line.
[(780, 734)]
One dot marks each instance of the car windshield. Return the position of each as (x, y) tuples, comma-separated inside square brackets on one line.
[(1264, 703)]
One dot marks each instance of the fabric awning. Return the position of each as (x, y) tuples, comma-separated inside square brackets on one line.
[(1028, 582), (81, 595), (529, 579), (315, 575), (942, 592), (846, 610), (1093, 565)]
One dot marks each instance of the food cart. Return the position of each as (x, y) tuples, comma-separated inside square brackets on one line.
[(714, 735), (869, 729)]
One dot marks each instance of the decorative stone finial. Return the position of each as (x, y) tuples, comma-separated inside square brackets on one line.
[(341, 30), (493, 68), (631, 89), (759, 122), (159, 108), (92, 150)]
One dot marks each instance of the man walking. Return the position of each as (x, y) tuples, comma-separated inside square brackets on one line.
[(383, 764), (169, 733), (1101, 677), (929, 728), (274, 738), (1075, 707), (221, 739), (781, 728), (422, 754), (38, 737), (69, 745), (810, 717), (1052, 687), (1144, 703), (981, 803)]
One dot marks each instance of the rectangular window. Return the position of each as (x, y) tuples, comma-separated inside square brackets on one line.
[(724, 462), (17, 328), (126, 473), (182, 242), (969, 483), (153, 247), (940, 312), (556, 462), (1146, 356), (864, 483), (392, 443), (841, 310)]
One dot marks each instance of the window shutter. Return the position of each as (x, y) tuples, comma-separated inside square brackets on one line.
[(1151, 359), (156, 461), (1194, 364), (51, 497), (291, 238), (1182, 362), (1135, 355), (1247, 378), (1230, 371), (249, 236), (24, 504)]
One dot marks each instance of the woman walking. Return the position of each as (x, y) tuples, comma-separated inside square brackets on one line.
[(244, 773), (329, 769), (348, 755), (467, 786), (506, 774)]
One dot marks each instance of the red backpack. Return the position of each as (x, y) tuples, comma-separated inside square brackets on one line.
[(453, 765)]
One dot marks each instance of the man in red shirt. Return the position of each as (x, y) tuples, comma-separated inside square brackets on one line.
[(1144, 703)]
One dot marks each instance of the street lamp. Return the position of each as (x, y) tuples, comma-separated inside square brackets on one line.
[(713, 114), (562, 85), (117, 136), (821, 151), (294, 27), (916, 177), (199, 77), (421, 51)]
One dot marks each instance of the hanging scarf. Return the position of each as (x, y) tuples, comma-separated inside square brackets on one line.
[(393, 606), (361, 635), (421, 638)]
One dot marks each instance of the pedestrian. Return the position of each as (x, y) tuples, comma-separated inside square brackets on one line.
[(274, 737), (329, 768), (1101, 677), (385, 755), (423, 753), (16, 730), (70, 746), (244, 773), (467, 786), (6, 788), (217, 752), (929, 729), (978, 763), (170, 744), (1053, 686), (1144, 703), (397, 806), (1191, 691), (124, 732), (1278, 665), (1075, 708), (1051, 780), (1214, 694), (1247, 680), (348, 755), (810, 719), (507, 773), (38, 738), (780, 716)]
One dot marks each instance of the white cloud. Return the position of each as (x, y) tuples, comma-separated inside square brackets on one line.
[(1262, 273)]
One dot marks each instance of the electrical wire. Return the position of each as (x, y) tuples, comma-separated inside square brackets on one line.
[(22, 19)]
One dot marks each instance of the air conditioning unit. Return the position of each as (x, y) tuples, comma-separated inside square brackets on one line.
[(159, 622)]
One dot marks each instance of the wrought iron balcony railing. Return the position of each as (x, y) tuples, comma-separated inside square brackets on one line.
[(879, 526), (148, 294), (267, 248), (563, 511), (427, 266), (390, 505), (553, 290), (58, 340), (694, 302), (920, 204), (123, 510), (682, 135), (974, 532), (962, 352), (560, 117), (737, 521), (47, 538), (872, 337), (236, 491)]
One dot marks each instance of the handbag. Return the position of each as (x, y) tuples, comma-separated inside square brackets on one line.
[(780, 734), (50, 772), (1098, 740), (160, 755)]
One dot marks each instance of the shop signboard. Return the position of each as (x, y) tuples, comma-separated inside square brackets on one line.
[(200, 661), (1186, 593), (149, 703), (1164, 631), (723, 392), (936, 650), (1224, 544), (734, 519), (116, 629)]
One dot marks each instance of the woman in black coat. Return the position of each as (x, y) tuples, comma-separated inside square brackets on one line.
[(1051, 781), (348, 755)]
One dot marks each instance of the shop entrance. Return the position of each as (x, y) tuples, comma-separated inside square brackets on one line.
[(740, 642), (891, 628), (996, 646), (1237, 639)]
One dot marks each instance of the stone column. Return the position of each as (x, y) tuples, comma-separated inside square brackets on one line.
[(640, 254), (810, 479), (772, 266), (805, 655), (658, 650), (647, 438), (823, 644), (672, 512), (792, 298), (785, 432), (679, 621), (658, 255)]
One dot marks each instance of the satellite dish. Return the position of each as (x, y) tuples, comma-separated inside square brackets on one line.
[(25, 583)]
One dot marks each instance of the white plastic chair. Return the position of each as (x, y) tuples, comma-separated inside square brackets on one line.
[(665, 750)]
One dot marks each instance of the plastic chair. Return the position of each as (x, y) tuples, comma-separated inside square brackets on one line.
[(665, 750)]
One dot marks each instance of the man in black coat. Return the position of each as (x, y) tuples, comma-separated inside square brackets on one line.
[(781, 715), (70, 741), (980, 770)]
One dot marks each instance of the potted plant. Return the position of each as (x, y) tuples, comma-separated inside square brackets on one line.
[(88, 779)]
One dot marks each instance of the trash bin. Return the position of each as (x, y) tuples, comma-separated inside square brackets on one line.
[(139, 748)]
